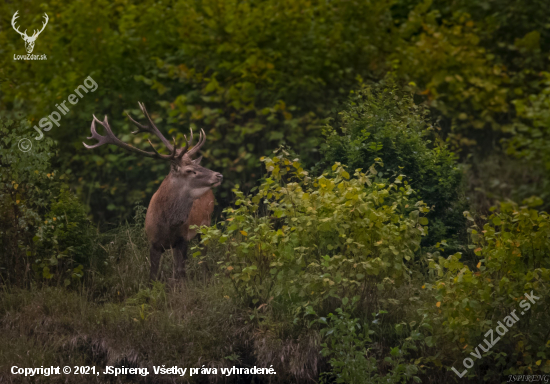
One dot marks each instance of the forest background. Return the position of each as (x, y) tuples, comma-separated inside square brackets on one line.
[(443, 105)]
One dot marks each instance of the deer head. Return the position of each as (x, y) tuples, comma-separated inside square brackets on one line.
[(186, 175), (29, 40)]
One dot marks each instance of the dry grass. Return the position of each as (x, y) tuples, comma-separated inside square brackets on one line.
[(117, 319)]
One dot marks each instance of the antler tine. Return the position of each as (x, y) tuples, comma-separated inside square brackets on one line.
[(15, 16), (196, 148), (101, 139), (110, 138), (175, 150), (151, 128), (187, 143), (154, 149), (36, 33)]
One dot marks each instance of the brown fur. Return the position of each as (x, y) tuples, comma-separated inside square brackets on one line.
[(183, 199), (201, 213)]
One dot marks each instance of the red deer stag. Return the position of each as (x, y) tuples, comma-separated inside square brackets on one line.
[(184, 198)]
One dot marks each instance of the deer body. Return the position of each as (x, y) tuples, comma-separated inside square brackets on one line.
[(167, 224), (183, 199)]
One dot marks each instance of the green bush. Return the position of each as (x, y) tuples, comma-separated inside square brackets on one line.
[(64, 238), (513, 248), (531, 133), (385, 123), (304, 239), (346, 339), (43, 226)]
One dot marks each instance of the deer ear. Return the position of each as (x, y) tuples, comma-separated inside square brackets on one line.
[(197, 161)]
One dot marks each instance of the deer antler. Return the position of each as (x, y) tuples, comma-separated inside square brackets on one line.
[(151, 127), (15, 16), (35, 34), (110, 138), (196, 148)]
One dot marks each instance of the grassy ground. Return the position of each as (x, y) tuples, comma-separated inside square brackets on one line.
[(115, 318)]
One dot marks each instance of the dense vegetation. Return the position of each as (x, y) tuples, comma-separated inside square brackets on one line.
[(385, 198)]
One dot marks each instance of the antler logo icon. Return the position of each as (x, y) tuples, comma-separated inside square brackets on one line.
[(29, 40)]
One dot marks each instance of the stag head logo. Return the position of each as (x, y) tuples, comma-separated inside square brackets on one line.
[(29, 40)]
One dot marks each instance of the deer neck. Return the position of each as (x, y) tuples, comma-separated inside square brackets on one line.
[(177, 195)]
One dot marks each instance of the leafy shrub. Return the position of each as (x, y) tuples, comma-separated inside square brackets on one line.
[(306, 239), (386, 123), (513, 250), (345, 343), (43, 226), (64, 238), (531, 132)]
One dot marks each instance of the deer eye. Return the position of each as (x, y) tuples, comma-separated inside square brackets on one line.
[(189, 171)]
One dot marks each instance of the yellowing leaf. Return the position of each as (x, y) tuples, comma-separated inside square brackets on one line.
[(17, 201), (424, 286), (478, 265), (244, 233), (230, 219), (438, 304), (229, 268), (538, 362), (54, 219)]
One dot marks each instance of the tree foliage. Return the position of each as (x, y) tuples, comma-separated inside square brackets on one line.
[(386, 123), (43, 225), (256, 75)]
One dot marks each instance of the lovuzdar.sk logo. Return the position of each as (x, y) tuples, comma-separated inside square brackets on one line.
[(29, 40)]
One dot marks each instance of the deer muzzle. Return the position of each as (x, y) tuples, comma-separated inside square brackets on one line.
[(219, 178)]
